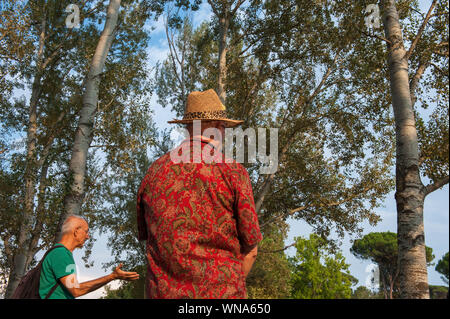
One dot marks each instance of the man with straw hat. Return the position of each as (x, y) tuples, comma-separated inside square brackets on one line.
[(198, 217)]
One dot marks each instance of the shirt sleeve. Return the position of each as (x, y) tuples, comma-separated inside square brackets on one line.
[(247, 219), (61, 263)]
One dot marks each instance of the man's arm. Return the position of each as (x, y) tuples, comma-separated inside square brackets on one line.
[(249, 260), (246, 219), (80, 289)]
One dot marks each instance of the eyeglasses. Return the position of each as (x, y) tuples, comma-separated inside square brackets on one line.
[(86, 231)]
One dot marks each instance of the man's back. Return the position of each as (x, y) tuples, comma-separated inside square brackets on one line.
[(197, 218), (58, 263)]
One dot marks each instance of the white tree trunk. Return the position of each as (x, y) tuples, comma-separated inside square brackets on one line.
[(84, 132), (410, 192), (224, 22), (18, 267)]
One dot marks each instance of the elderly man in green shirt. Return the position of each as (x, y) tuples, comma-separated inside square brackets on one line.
[(58, 268)]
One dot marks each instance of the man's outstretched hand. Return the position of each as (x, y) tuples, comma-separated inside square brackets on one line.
[(124, 275)]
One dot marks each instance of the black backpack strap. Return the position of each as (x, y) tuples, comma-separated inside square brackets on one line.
[(53, 289), (48, 251)]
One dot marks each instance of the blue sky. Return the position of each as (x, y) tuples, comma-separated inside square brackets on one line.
[(436, 210)]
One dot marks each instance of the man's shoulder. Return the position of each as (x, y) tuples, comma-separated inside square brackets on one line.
[(235, 172), (59, 254), (164, 160), (156, 167), (233, 166)]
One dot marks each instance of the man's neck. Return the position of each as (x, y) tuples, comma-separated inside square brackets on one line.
[(68, 243)]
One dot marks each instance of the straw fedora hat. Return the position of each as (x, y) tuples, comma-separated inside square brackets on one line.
[(205, 106)]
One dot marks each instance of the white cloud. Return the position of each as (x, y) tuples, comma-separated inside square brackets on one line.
[(159, 26), (159, 49), (155, 27), (161, 114), (203, 14), (157, 53), (101, 292)]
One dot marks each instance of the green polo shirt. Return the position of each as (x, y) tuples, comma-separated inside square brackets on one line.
[(58, 263)]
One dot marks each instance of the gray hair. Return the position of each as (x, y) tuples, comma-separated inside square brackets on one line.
[(69, 223)]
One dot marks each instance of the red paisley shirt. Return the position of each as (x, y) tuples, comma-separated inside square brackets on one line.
[(196, 217)]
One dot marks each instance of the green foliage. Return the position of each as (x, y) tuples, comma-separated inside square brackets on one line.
[(382, 249), (377, 247), (363, 292), (442, 268), (318, 272), (10, 192), (438, 292), (129, 290), (119, 220), (269, 277)]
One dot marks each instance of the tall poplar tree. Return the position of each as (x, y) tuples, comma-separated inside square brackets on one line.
[(84, 132), (410, 191), (399, 64), (123, 123)]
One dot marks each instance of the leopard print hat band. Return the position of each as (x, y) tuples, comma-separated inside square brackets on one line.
[(205, 106)]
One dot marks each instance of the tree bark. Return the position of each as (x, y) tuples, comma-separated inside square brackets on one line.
[(391, 287), (303, 103), (84, 132), (409, 194), (224, 22), (19, 265), (40, 210), (224, 12), (265, 187)]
